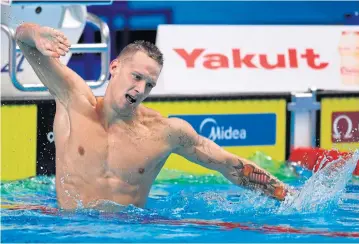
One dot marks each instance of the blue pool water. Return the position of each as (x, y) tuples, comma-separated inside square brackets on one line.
[(195, 209)]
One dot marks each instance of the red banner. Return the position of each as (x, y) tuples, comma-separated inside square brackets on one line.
[(345, 127)]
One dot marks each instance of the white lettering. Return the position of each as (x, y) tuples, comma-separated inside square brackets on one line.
[(348, 133), (222, 133), (243, 134), (50, 137), (235, 134)]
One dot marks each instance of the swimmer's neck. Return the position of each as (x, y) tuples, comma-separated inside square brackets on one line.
[(110, 116)]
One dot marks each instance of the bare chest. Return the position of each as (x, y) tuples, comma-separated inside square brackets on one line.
[(127, 153)]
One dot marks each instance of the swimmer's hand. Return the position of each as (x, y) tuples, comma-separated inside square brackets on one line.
[(42, 47), (289, 193), (47, 40), (51, 42)]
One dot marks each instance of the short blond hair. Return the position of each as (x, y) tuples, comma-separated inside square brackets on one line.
[(147, 47)]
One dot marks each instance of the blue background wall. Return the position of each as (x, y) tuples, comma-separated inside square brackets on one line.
[(133, 20), (202, 12)]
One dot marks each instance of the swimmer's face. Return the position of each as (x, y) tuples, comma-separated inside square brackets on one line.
[(133, 77)]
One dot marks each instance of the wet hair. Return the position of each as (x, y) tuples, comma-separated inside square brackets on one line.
[(147, 47)]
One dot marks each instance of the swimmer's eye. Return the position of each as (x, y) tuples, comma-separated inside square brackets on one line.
[(150, 85), (136, 77)]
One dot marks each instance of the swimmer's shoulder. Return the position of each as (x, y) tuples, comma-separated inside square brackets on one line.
[(170, 126), (155, 119), (150, 115), (148, 112)]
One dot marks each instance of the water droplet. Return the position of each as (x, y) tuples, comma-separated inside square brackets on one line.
[(68, 193)]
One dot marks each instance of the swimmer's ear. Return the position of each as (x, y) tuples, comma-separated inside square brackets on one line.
[(114, 65)]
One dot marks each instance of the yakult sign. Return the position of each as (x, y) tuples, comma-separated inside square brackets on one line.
[(249, 60), (227, 59)]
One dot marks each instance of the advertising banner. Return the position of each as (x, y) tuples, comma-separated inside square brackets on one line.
[(235, 129), (241, 127), (204, 59), (19, 141), (46, 150), (28, 147), (339, 127)]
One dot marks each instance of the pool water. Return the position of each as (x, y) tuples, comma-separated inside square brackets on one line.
[(186, 208)]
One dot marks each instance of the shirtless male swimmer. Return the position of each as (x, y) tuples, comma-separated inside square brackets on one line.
[(112, 148)]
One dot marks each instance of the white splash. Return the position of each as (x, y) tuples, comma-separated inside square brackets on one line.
[(323, 188)]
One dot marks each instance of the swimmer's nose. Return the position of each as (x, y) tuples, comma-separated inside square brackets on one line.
[(140, 88)]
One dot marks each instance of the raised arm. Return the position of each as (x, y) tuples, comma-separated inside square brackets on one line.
[(187, 143), (42, 46)]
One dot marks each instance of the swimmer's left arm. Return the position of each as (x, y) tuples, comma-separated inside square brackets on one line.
[(198, 149)]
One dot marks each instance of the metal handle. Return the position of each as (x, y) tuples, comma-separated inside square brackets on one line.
[(62, 2), (103, 48)]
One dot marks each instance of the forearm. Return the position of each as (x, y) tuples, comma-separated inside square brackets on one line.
[(239, 171), (246, 173), (26, 33)]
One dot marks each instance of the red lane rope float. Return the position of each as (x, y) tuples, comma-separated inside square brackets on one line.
[(310, 158), (198, 222)]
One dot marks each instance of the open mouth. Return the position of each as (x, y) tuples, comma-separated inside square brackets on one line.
[(130, 99)]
